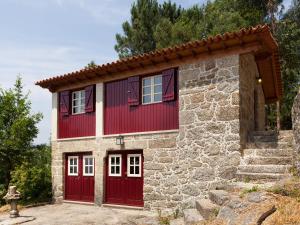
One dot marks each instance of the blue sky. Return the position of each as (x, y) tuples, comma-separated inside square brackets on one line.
[(42, 38)]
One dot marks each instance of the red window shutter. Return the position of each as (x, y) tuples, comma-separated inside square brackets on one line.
[(64, 101), (133, 91), (89, 99), (168, 85)]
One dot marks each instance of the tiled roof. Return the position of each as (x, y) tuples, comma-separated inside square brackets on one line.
[(242, 39)]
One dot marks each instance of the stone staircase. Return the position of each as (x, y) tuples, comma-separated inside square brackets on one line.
[(267, 157)]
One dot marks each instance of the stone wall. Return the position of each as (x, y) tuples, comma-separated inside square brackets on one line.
[(252, 111), (182, 165), (296, 128)]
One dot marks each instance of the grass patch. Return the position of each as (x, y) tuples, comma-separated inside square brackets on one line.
[(246, 191)]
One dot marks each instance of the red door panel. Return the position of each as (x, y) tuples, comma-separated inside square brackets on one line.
[(122, 187), (79, 186)]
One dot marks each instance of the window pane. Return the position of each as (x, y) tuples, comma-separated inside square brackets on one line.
[(91, 170), (117, 169), (71, 169), (112, 160), (75, 95), (112, 170), (147, 82), (75, 161), (86, 169), (147, 91), (81, 109), (131, 160), (75, 110), (118, 160), (71, 161), (131, 170), (82, 94), (157, 98), (75, 169), (137, 160), (157, 89), (158, 80), (91, 161), (75, 103), (137, 170), (147, 99)]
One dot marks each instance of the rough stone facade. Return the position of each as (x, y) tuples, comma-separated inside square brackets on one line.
[(183, 165), (296, 122)]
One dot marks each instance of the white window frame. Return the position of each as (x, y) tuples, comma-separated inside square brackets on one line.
[(152, 85), (69, 165), (79, 99), (109, 165), (84, 165), (140, 165)]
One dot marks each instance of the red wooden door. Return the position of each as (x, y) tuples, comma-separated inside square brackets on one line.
[(79, 177), (124, 178)]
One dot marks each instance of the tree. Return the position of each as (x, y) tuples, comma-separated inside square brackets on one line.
[(138, 35), (17, 130), (287, 34), (90, 65)]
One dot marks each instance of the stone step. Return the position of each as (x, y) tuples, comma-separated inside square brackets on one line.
[(264, 133), (268, 160), (269, 152), (278, 169), (260, 176), (218, 197), (192, 217), (206, 208), (263, 138), (264, 145)]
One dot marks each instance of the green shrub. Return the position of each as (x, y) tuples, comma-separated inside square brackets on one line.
[(34, 183), (33, 176), (3, 192)]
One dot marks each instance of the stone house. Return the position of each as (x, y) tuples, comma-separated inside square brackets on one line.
[(160, 129)]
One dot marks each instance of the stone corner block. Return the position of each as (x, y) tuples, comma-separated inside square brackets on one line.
[(219, 196), (206, 208)]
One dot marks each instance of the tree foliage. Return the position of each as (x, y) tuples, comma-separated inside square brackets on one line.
[(33, 177), (154, 26), (17, 129), (21, 163)]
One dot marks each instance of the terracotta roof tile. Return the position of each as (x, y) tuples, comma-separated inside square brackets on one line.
[(260, 33)]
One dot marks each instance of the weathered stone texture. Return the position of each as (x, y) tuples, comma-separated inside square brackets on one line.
[(296, 131)]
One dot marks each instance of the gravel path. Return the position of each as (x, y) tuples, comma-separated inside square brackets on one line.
[(75, 214)]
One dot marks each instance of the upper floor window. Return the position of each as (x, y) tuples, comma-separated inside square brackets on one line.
[(78, 102), (152, 89)]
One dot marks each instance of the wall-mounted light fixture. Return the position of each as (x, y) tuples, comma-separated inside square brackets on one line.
[(120, 140), (259, 80)]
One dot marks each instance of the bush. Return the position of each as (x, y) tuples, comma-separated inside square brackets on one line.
[(3, 192), (33, 177)]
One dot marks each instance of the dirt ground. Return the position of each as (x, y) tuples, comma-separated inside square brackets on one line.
[(75, 214)]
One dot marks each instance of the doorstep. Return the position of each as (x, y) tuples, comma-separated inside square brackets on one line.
[(123, 206), (78, 202)]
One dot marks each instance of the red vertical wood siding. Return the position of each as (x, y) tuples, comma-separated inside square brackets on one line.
[(120, 118), (80, 125)]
